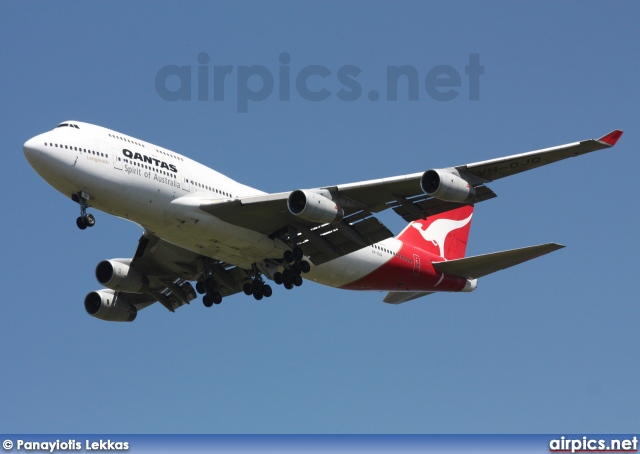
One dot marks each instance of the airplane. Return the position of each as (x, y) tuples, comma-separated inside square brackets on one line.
[(201, 226)]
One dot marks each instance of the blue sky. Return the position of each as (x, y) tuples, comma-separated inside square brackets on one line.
[(549, 346)]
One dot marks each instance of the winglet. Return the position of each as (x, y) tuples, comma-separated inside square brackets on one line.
[(611, 138)]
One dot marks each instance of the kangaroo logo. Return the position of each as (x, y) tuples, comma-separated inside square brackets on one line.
[(437, 232)]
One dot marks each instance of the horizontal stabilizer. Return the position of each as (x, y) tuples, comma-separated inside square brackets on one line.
[(481, 265), (403, 297)]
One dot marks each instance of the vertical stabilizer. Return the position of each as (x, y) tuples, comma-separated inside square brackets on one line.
[(444, 234)]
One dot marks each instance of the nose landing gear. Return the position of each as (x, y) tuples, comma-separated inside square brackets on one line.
[(85, 220)]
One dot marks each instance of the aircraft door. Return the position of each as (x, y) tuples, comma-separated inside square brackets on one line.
[(184, 180), (416, 265), (117, 158)]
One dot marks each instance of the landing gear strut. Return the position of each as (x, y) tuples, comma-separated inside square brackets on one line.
[(85, 220)]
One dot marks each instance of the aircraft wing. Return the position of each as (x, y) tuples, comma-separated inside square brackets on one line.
[(169, 269), (510, 165), (269, 214)]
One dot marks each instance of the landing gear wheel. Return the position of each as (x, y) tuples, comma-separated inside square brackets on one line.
[(207, 300), (258, 295), (210, 285), (288, 256), (278, 278), (247, 289), (89, 220), (304, 266), (257, 286), (266, 291), (295, 270), (80, 223), (200, 288), (297, 281), (288, 285), (216, 298), (297, 254), (85, 220)]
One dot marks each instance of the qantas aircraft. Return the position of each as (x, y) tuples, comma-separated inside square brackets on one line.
[(201, 226)]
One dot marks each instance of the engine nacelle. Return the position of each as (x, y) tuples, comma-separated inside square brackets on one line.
[(313, 206), (121, 277), (105, 305), (446, 186)]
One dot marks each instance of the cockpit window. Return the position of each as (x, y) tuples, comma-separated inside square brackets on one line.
[(62, 124)]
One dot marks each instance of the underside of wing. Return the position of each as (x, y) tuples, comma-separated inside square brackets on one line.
[(159, 271), (170, 267), (321, 241)]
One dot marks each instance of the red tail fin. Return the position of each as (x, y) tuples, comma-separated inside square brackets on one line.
[(444, 234)]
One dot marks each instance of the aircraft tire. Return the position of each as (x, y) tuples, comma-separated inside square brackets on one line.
[(89, 220), (304, 266)]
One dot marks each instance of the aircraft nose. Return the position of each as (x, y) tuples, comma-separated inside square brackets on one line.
[(31, 150)]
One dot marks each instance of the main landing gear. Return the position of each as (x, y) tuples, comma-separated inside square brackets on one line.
[(293, 268), (210, 289), (85, 220), (257, 287), (293, 263)]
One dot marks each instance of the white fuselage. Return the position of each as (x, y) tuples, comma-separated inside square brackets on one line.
[(162, 191)]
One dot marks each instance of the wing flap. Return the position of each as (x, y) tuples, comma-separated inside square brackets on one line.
[(329, 241), (430, 206), (482, 265)]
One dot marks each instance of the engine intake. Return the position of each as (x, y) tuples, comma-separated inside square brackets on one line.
[(314, 206), (121, 277), (106, 305), (446, 186)]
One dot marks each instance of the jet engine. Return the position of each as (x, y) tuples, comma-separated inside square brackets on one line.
[(119, 276), (314, 206), (446, 186), (105, 305)]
